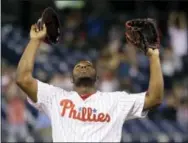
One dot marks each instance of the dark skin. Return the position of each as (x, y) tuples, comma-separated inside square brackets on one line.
[(84, 77), (84, 73)]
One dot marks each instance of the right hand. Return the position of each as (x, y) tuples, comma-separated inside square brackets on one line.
[(152, 52), (36, 33)]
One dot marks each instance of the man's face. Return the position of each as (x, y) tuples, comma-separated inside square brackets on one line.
[(84, 70)]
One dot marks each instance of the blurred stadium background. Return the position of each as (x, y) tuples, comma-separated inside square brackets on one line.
[(94, 30)]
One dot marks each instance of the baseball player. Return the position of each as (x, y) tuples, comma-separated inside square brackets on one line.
[(86, 114)]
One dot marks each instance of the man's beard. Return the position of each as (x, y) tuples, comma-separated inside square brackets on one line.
[(84, 81)]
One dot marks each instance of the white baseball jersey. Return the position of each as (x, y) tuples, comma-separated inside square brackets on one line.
[(98, 118)]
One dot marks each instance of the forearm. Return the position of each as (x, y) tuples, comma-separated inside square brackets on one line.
[(26, 63), (156, 80)]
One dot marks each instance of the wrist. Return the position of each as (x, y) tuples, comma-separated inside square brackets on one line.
[(35, 39), (153, 57)]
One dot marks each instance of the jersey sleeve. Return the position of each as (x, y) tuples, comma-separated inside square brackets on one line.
[(132, 105), (45, 95)]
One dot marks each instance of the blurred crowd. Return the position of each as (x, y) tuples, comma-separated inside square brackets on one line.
[(120, 66)]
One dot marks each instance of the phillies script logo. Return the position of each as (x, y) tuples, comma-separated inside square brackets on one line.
[(82, 113)]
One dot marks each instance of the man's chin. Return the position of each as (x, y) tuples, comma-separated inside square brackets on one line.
[(85, 80)]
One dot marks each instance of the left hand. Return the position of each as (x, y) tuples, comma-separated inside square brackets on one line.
[(143, 34), (152, 52)]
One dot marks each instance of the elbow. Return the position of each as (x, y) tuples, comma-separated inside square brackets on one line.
[(155, 102), (21, 80), (158, 101), (156, 97), (18, 79)]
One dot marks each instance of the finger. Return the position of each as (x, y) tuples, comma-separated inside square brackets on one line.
[(44, 27), (33, 27), (36, 28), (39, 23)]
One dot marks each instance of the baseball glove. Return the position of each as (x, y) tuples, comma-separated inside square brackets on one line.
[(53, 25), (142, 33)]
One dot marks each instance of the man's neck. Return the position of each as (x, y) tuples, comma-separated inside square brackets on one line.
[(84, 90)]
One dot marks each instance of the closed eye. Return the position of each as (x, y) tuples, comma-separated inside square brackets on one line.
[(89, 65), (77, 66)]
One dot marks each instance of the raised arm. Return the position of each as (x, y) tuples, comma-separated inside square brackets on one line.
[(143, 35), (155, 92), (24, 78)]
